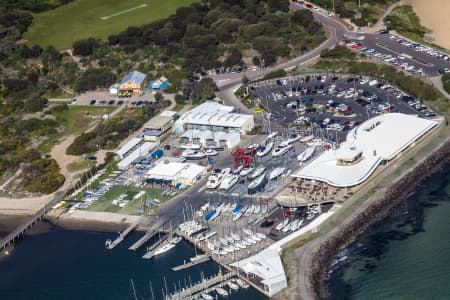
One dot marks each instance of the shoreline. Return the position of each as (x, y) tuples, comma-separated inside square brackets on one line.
[(79, 220), (319, 257)]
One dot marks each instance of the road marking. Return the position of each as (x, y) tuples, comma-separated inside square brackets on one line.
[(202, 189), (124, 11)]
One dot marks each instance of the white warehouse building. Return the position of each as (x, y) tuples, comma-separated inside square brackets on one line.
[(214, 117)]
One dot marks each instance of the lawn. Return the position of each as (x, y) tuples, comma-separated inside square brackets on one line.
[(74, 121), (104, 203), (82, 19)]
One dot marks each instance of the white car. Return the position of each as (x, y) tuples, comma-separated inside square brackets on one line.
[(373, 82), (254, 68), (363, 81), (74, 100)]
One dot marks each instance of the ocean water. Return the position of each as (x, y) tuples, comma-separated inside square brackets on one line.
[(64, 264), (404, 256)]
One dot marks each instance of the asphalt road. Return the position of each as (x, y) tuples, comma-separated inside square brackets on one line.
[(228, 82)]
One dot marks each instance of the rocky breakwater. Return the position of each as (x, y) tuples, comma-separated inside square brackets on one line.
[(345, 233)]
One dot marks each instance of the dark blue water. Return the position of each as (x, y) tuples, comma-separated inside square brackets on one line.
[(63, 264), (404, 256)]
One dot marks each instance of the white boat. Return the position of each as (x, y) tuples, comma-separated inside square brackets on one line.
[(228, 182), (276, 172), (175, 240), (237, 216), (247, 231), (255, 238), (272, 135), (245, 171), (190, 146), (282, 224), (257, 184), (210, 246), (250, 240), (232, 285), (193, 154), (221, 292), (242, 283), (253, 146), (281, 150), (257, 172), (207, 296), (264, 209), (211, 152), (164, 248), (265, 150), (315, 142), (305, 155), (261, 235), (293, 138), (249, 211), (235, 236), (239, 245), (257, 209), (306, 139), (214, 181), (288, 226), (237, 170), (223, 241), (230, 239)]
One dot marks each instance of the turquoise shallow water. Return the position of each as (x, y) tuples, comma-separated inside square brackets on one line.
[(62, 264), (404, 256)]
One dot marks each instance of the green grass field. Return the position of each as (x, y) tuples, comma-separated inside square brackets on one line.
[(96, 18), (104, 203)]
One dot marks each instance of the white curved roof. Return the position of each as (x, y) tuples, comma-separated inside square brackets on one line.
[(380, 138)]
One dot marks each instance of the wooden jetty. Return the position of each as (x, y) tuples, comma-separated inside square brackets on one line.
[(192, 263), (190, 292), (122, 235), (19, 231), (151, 250), (148, 235)]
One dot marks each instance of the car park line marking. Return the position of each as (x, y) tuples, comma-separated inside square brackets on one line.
[(124, 11), (400, 53)]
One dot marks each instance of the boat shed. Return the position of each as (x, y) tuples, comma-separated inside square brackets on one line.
[(142, 150), (215, 117), (123, 151), (209, 138), (176, 172), (132, 82), (157, 126)]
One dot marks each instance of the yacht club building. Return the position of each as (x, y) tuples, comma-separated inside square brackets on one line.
[(376, 141)]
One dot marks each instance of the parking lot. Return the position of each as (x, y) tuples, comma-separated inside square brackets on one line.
[(332, 104), (404, 54), (103, 98)]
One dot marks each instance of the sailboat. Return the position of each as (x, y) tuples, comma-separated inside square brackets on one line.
[(281, 150), (257, 172), (276, 172), (257, 184), (305, 155), (265, 150), (193, 154)]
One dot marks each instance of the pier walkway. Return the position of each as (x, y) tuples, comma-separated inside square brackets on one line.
[(19, 231), (201, 286), (122, 236), (192, 263), (148, 235)]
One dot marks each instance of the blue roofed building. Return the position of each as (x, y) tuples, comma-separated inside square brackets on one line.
[(132, 82), (159, 84)]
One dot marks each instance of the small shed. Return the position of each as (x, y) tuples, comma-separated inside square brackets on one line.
[(114, 89), (159, 84)]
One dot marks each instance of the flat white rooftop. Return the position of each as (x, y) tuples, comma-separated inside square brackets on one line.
[(214, 114), (378, 139)]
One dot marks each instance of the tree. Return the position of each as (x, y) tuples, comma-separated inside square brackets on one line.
[(281, 5), (159, 97), (85, 47), (256, 61), (234, 59), (245, 79)]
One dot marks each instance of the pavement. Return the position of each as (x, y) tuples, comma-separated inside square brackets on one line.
[(229, 82)]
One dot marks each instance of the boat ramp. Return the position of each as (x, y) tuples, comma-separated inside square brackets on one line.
[(122, 235)]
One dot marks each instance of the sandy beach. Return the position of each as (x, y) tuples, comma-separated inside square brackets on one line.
[(435, 15)]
